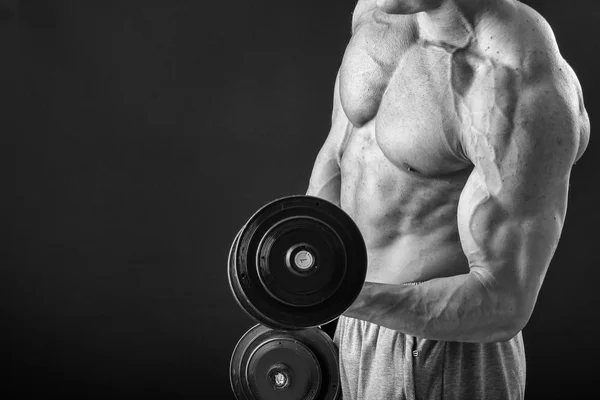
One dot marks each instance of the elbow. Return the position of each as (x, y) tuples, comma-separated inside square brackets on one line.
[(509, 332), (512, 321), (505, 330), (508, 311)]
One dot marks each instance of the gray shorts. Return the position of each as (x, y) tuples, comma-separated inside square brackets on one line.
[(377, 363)]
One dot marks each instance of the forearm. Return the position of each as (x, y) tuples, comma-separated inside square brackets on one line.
[(460, 308)]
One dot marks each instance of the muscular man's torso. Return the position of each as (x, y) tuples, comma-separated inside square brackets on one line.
[(410, 102)]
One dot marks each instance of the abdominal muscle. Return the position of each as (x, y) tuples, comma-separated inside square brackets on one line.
[(408, 221)]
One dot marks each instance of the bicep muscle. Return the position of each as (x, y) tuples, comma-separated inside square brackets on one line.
[(512, 209)]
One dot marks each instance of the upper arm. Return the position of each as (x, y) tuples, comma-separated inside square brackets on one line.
[(325, 179), (513, 206)]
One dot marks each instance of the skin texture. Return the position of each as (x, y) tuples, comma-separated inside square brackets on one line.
[(454, 131), (407, 6)]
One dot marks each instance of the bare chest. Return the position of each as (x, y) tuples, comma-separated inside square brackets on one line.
[(412, 94)]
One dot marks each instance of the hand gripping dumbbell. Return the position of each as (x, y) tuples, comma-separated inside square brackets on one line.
[(298, 263)]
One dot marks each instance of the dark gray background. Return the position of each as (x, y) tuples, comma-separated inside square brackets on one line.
[(137, 137)]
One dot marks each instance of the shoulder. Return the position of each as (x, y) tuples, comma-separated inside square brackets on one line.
[(547, 97), (361, 12), (514, 34), (367, 12)]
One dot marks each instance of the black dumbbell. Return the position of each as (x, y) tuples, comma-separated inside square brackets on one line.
[(284, 365), (298, 262)]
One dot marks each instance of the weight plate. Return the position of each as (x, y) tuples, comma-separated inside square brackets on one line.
[(269, 364), (300, 261)]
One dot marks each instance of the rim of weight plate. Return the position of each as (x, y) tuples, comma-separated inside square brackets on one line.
[(234, 285)]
